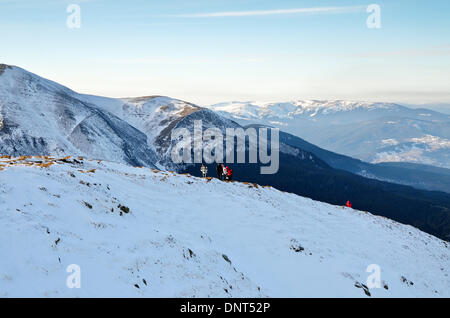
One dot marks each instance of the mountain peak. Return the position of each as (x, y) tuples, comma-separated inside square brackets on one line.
[(3, 67)]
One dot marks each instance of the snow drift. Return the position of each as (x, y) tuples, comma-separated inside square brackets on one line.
[(141, 232)]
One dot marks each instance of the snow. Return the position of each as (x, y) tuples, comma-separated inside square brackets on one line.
[(433, 142), (418, 149), (32, 104), (41, 117), (389, 142), (181, 230), (150, 115)]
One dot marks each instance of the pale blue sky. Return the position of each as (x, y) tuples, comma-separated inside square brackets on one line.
[(208, 51)]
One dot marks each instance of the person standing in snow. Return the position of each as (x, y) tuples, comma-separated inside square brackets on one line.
[(204, 170), (219, 170), (224, 172)]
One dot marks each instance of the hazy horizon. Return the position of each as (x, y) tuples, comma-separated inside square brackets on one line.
[(208, 52), (438, 106)]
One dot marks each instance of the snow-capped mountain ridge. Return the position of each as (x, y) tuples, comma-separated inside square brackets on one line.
[(290, 109), (150, 114)]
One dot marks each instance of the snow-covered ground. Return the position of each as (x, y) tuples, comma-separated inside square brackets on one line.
[(189, 237)]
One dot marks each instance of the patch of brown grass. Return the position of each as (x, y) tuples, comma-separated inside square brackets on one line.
[(45, 165)]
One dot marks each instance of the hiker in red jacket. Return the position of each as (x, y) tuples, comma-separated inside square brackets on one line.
[(229, 173), (348, 204)]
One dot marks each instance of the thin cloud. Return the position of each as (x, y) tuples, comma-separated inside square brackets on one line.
[(183, 60), (316, 10)]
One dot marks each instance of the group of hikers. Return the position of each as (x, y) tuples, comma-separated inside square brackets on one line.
[(223, 172)]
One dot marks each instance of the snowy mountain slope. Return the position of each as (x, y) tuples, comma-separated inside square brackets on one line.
[(208, 118), (373, 132), (153, 115), (40, 117), (176, 240)]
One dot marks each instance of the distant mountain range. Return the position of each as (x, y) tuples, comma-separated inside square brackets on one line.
[(416, 175), (40, 117), (373, 132)]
